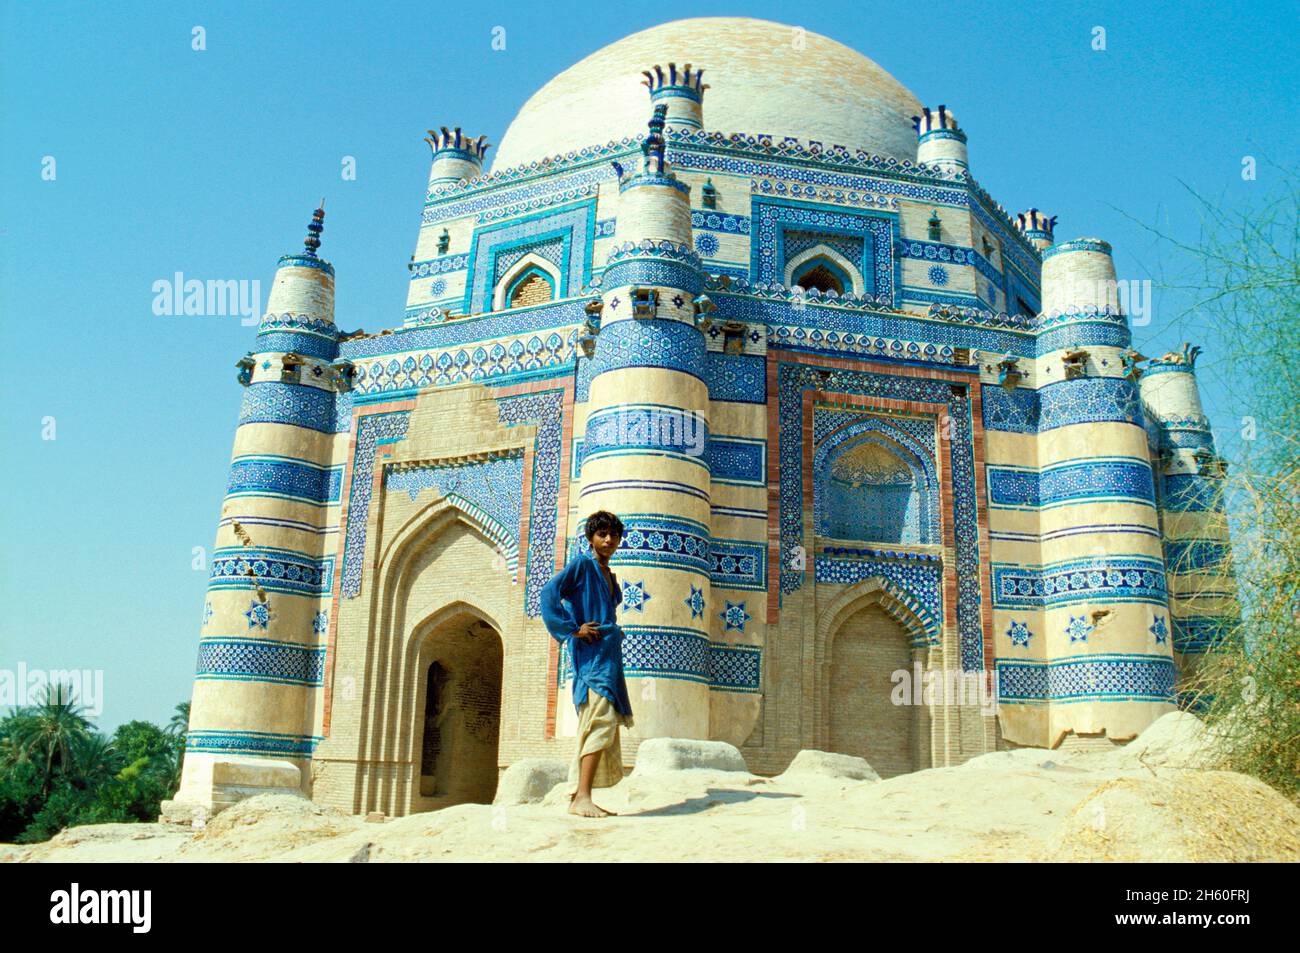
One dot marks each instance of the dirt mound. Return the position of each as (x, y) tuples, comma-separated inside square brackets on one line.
[(1193, 816), (272, 822)]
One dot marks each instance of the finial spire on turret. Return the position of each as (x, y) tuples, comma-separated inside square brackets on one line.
[(653, 147), (314, 229)]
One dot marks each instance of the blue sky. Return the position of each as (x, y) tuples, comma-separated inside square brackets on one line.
[(210, 162)]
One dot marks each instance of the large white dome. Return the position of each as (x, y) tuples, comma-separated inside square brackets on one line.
[(759, 82)]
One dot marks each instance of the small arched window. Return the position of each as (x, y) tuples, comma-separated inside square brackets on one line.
[(531, 287), (822, 275)]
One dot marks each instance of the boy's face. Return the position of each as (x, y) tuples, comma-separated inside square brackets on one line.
[(605, 541)]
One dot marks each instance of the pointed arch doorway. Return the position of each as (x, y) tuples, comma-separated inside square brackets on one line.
[(871, 639), (458, 711)]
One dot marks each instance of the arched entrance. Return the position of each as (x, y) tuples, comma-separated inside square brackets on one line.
[(458, 713), (866, 650)]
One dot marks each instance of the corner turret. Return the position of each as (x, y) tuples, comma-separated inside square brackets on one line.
[(939, 141)]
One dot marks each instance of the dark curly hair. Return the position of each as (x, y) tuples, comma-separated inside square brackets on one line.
[(603, 519)]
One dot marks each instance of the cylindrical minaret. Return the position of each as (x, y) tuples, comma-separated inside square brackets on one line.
[(1036, 227), (644, 454), (1190, 476), (455, 156), (939, 141), (681, 90), (1102, 578), (261, 648)]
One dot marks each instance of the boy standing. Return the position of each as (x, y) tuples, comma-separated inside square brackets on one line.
[(578, 607)]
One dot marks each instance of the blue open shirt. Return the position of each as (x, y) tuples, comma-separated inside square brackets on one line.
[(580, 593)]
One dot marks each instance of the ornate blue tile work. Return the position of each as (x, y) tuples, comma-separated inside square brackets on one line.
[(734, 616), (1198, 634), (1079, 628), (665, 652), (635, 597), (706, 245), (1015, 411), (652, 539), (1072, 581), (298, 404), (705, 160), (1193, 555), (695, 601), (1086, 678), (865, 324), (372, 430), (560, 317), (922, 580), (642, 429), (1019, 633), (795, 242), (573, 227), (308, 345), (263, 744), (951, 255), (1160, 629), (1103, 479), (438, 266), (672, 345), (734, 668), (1084, 331), (1089, 400), (909, 515), (1188, 491), (738, 564), (605, 228), (275, 570), (793, 380), (491, 491), (1060, 404), (549, 191), (708, 220), (775, 217), (258, 614), (261, 660), (738, 377), (545, 409), (550, 249), (503, 360), (739, 461), (285, 478)]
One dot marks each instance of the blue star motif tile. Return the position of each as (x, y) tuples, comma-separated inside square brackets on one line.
[(678, 301), (613, 304), (938, 275), (320, 623), (635, 596), (1078, 629), (266, 365), (735, 616), (258, 614), (1160, 629), (696, 602), (1019, 633)]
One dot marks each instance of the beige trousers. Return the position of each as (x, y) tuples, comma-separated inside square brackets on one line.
[(598, 724)]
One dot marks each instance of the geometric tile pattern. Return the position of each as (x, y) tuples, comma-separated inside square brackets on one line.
[(1091, 579), (793, 380), (1098, 480), (275, 570), (1087, 678), (261, 660)]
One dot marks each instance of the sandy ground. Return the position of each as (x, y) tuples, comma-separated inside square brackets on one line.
[(1147, 801)]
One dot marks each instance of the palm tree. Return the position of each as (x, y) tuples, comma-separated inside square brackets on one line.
[(180, 721), (94, 760), (47, 734)]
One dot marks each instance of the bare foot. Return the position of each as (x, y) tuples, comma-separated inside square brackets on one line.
[(583, 807)]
